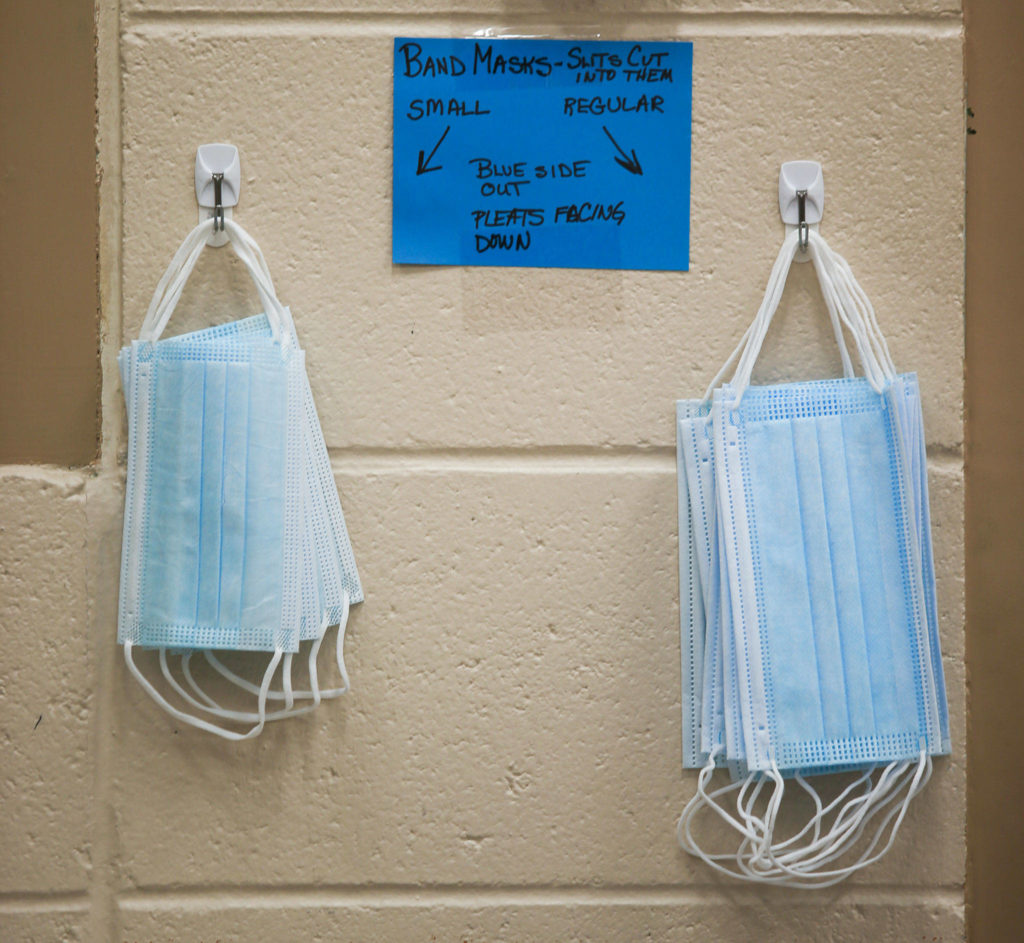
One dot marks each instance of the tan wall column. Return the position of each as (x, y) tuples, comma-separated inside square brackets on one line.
[(995, 458), (49, 337)]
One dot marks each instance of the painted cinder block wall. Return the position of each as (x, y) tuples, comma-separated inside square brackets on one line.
[(507, 766)]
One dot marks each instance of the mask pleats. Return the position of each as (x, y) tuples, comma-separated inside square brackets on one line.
[(232, 500), (769, 451), (263, 526), (846, 580), (171, 578), (818, 556), (883, 595), (210, 530)]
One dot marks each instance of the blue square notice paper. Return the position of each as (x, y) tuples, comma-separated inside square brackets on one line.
[(542, 152)]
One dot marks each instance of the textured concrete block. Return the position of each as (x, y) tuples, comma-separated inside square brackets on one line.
[(601, 919), (504, 612), (499, 358), (514, 717), (42, 926), (46, 684)]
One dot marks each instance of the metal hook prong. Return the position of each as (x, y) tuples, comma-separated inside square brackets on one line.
[(218, 206), (803, 229)]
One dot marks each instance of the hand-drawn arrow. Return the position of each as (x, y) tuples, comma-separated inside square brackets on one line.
[(423, 166), (630, 161)]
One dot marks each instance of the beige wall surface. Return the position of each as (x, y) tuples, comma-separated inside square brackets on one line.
[(507, 766)]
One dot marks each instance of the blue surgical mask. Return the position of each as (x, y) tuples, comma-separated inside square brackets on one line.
[(214, 507), (710, 701), (819, 547), (324, 521), (330, 582), (310, 549), (829, 634)]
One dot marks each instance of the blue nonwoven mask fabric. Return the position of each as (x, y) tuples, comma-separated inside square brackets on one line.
[(228, 496), (830, 647), (333, 548), (705, 611), (331, 583), (212, 521)]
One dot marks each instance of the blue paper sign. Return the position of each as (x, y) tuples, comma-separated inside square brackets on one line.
[(545, 152)]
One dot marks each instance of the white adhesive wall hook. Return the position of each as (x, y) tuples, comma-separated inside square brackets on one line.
[(801, 199), (218, 180)]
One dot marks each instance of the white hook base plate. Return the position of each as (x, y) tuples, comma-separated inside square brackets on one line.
[(217, 159), (801, 175)]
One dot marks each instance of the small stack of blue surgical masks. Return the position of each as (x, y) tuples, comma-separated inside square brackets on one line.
[(234, 538), (809, 629)]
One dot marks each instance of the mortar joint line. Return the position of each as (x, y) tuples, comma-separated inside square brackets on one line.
[(938, 23), (456, 895)]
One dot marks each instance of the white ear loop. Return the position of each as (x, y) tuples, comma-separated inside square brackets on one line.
[(822, 811), (702, 798), (772, 868), (847, 305), (210, 706), (773, 293), (763, 318), (758, 858), (182, 261), (760, 861), (755, 830), (315, 692), (861, 299), (196, 721), (809, 868), (264, 288), (172, 284), (770, 302), (808, 873), (768, 864), (838, 294)]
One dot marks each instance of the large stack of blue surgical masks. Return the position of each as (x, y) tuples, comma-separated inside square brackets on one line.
[(234, 539), (809, 628)]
